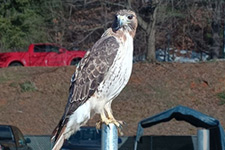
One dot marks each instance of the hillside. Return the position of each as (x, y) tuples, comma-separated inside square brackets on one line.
[(34, 98)]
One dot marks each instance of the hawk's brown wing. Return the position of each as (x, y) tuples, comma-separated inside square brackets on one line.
[(91, 71), (89, 74)]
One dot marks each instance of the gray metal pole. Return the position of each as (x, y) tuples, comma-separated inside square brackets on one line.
[(203, 139), (109, 137)]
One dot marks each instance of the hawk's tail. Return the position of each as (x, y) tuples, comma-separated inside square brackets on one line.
[(58, 136), (62, 132), (59, 142)]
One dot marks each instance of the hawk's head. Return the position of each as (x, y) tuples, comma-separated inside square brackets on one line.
[(125, 20)]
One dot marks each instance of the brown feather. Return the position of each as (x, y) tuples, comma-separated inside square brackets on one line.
[(60, 140)]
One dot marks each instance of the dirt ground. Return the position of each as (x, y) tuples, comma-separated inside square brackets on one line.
[(34, 98)]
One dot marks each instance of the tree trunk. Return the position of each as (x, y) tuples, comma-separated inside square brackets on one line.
[(216, 45), (151, 45), (149, 28), (216, 50), (151, 38)]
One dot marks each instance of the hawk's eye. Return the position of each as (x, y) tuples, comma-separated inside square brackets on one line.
[(130, 17)]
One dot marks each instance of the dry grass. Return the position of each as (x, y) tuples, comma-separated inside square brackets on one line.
[(153, 88)]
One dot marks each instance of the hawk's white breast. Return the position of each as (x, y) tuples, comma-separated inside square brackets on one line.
[(120, 71)]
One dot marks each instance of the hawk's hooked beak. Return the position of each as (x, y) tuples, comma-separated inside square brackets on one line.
[(119, 22)]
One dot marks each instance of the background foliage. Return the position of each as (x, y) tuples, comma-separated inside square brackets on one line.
[(76, 24), (20, 24)]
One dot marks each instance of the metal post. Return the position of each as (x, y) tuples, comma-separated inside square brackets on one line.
[(109, 137), (203, 139)]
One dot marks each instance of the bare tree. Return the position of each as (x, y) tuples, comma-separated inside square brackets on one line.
[(216, 8), (182, 24), (204, 30), (146, 13)]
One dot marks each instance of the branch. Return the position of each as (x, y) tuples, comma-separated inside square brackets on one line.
[(91, 32), (142, 23), (115, 4)]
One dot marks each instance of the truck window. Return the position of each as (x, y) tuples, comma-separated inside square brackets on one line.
[(5, 133), (20, 136), (46, 48), (52, 48), (40, 48), (86, 134)]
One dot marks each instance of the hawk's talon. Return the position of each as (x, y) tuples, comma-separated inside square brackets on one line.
[(120, 132), (98, 125), (119, 124)]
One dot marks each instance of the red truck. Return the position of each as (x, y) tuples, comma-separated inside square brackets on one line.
[(42, 54)]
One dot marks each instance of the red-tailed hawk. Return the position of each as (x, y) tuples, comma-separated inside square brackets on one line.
[(99, 78)]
